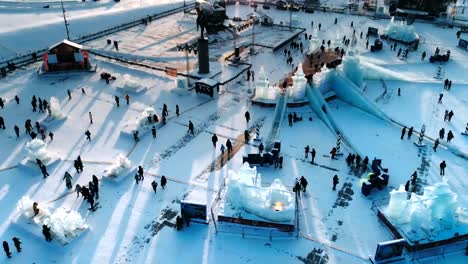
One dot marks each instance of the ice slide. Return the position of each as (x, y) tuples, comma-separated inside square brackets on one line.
[(280, 111), (348, 92)]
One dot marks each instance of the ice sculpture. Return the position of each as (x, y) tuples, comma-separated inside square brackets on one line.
[(437, 209), (55, 109), (401, 31), (64, 224), (262, 87), (143, 121), (352, 69), (37, 149), (244, 192), (120, 164), (299, 83)]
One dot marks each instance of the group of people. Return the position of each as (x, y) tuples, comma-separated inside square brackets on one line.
[(89, 193), (300, 185), (6, 246), (352, 159)]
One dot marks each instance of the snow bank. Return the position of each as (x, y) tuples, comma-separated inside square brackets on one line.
[(120, 164), (55, 109), (130, 85), (37, 149), (437, 209), (401, 31), (244, 192), (64, 225)]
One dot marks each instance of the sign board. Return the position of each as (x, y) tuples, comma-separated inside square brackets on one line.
[(463, 44), (390, 250), (196, 212), (171, 72), (371, 31)]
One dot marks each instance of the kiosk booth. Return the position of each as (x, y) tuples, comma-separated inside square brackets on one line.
[(207, 86)]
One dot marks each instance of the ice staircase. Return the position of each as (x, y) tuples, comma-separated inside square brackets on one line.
[(280, 110)]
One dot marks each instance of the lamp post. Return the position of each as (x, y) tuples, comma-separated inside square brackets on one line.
[(252, 47), (186, 47), (65, 20)]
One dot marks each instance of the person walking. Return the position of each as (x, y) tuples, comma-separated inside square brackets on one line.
[(247, 116), (306, 151), (17, 243), (229, 146), (90, 118), (403, 132), (436, 143), (68, 179), (441, 133), (312, 155), (336, 180), (141, 173), (290, 117), (6, 248), (44, 170), (153, 131), (214, 139), (246, 136), (450, 115), (17, 99), (51, 136), (222, 148), (190, 127), (46, 233), (163, 182), (16, 128), (77, 190), (69, 94), (440, 98), (154, 185), (261, 148), (88, 135), (442, 165), (177, 110), (2, 122), (304, 183), (410, 132), (333, 153), (127, 99), (450, 136), (117, 100)]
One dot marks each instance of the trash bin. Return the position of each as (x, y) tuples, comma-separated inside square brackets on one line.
[(366, 188)]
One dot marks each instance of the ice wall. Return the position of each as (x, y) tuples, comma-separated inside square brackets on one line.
[(244, 192), (352, 69), (437, 209), (401, 31)]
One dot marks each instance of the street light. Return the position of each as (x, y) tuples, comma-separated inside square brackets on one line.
[(65, 20)]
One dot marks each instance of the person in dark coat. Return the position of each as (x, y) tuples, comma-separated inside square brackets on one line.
[(2, 122), (80, 163), (46, 232), (304, 183), (440, 98), (449, 136), (140, 173), (450, 115), (35, 208), (442, 133), (153, 131), (76, 164), (77, 190), (6, 247), (163, 181), (247, 116), (154, 185), (16, 128), (85, 193), (261, 148), (1, 103), (336, 180), (17, 99), (403, 132), (290, 117), (365, 162), (179, 223), (246, 136), (137, 178), (348, 160), (423, 55), (306, 151), (69, 95), (95, 180), (297, 188), (407, 185), (177, 110), (214, 139), (229, 146), (312, 155), (280, 161), (88, 135), (117, 100), (44, 170), (17, 243), (91, 202), (436, 144), (51, 136), (135, 136), (410, 132), (442, 165), (333, 153), (358, 161), (190, 127), (68, 179)]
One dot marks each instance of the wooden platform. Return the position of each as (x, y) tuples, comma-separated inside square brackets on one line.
[(328, 57)]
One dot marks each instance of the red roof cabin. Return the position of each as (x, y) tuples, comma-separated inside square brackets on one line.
[(66, 56)]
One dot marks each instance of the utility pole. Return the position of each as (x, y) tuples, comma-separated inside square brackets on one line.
[(65, 20), (290, 14), (187, 62)]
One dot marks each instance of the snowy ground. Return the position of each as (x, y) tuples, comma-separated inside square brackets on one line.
[(135, 225)]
